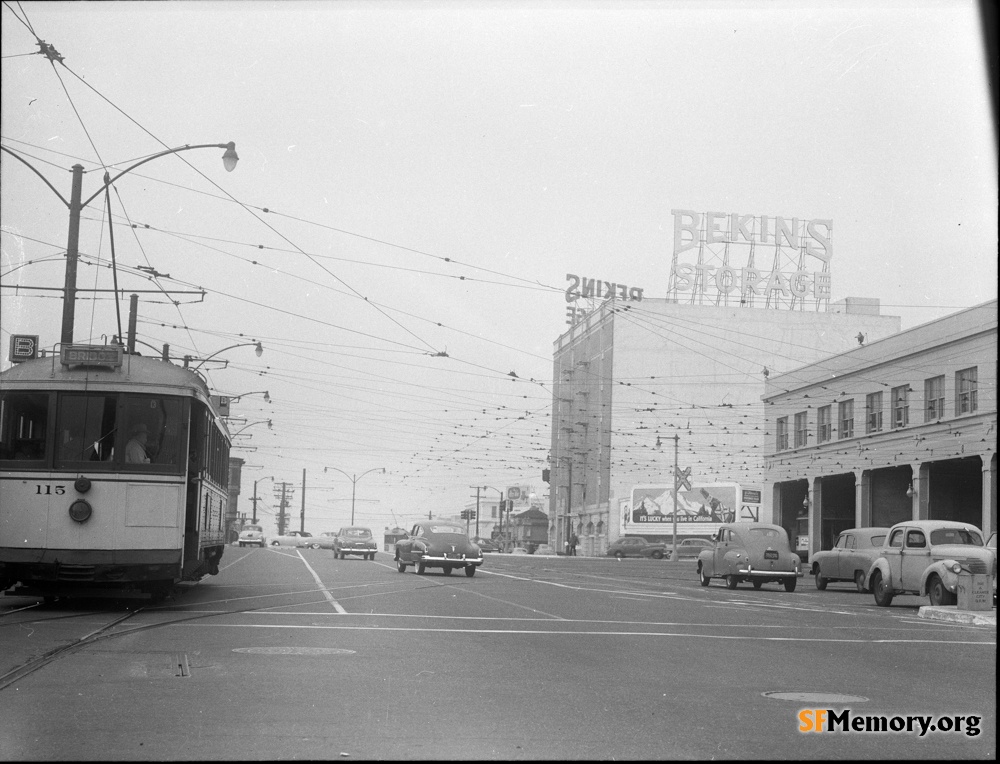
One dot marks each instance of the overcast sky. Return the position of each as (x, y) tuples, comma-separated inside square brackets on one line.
[(419, 178)]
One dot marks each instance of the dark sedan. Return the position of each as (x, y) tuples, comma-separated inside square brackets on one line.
[(434, 544), (633, 546)]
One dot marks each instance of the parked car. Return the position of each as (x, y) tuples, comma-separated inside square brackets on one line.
[(991, 543), (355, 540), (437, 544), (519, 550), (633, 546), (545, 549), (925, 557), (688, 548), (487, 545), (851, 557), (252, 535), (754, 552), (296, 538)]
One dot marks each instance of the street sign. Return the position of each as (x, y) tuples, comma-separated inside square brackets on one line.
[(683, 477)]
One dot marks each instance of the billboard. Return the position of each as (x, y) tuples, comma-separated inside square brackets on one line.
[(700, 509)]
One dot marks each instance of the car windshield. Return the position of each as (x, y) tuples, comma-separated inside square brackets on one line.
[(956, 536), (446, 529), (357, 533), (252, 529)]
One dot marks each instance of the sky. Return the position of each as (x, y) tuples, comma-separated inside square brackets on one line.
[(417, 179)]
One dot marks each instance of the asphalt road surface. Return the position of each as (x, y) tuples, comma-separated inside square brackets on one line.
[(295, 654)]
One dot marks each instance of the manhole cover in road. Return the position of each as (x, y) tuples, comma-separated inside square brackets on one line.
[(293, 651), (815, 697)]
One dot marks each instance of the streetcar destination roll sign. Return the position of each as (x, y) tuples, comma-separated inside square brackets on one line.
[(91, 355)]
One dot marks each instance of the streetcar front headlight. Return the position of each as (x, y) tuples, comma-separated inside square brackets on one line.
[(80, 511)]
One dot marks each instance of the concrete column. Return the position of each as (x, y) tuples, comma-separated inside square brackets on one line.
[(862, 513), (988, 495), (815, 516), (918, 502)]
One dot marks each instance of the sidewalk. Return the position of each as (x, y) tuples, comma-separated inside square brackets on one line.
[(952, 614)]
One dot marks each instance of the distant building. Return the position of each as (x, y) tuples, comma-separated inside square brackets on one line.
[(632, 375), (900, 428)]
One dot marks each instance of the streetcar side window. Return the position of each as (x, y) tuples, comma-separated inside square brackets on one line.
[(85, 427), (23, 426), (154, 431)]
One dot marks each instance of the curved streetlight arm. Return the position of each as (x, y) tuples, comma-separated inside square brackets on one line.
[(262, 421), (231, 146), (260, 349), (45, 180), (354, 482)]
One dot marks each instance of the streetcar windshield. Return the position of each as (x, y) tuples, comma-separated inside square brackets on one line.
[(94, 430)]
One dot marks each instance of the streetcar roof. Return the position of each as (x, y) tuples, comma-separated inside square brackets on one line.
[(136, 371)]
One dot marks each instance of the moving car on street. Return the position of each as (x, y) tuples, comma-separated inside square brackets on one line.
[(688, 548), (634, 546), (252, 535), (437, 544), (925, 557), (754, 552), (326, 539), (296, 539), (851, 557), (487, 545), (355, 539)]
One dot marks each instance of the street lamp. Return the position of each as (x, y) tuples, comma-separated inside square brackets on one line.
[(267, 395), (261, 421), (500, 505), (76, 206), (354, 482), (255, 497), (258, 349)]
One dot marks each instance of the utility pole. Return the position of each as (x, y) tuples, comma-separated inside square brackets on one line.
[(478, 488), (677, 439), (302, 517), (281, 507)]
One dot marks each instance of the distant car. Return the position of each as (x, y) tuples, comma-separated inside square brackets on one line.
[(545, 549), (925, 557), (326, 539), (437, 544), (851, 557), (355, 540), (633, 546), (297, 539), (252, 535), (688, 548), (487, 545), (519, 550), (754, 552)]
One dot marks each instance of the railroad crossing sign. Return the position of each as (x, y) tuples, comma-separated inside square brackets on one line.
[(683, 477)]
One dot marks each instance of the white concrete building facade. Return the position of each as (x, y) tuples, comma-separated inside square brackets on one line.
[(689, 377), (902, 428)]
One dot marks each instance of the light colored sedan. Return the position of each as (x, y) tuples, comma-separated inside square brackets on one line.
[(296, 539), (851, 557), (754, 552)]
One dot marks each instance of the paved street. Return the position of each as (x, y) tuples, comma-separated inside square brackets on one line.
[(295, 654)]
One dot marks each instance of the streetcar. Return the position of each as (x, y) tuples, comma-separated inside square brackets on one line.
[(114, 475)]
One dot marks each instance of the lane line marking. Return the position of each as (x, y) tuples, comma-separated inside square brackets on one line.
[(322, 587)]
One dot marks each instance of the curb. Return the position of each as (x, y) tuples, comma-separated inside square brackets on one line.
[(952, 614)]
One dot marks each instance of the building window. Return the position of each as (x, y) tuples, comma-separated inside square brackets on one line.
[(934, 398), (782, 441), (966, 391), (801, 429), (900, 406), (845, 413), (873, 412), (824, 424)]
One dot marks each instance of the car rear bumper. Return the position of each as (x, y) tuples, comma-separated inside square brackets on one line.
[(440, 562), (342, 550), (750, 572)]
